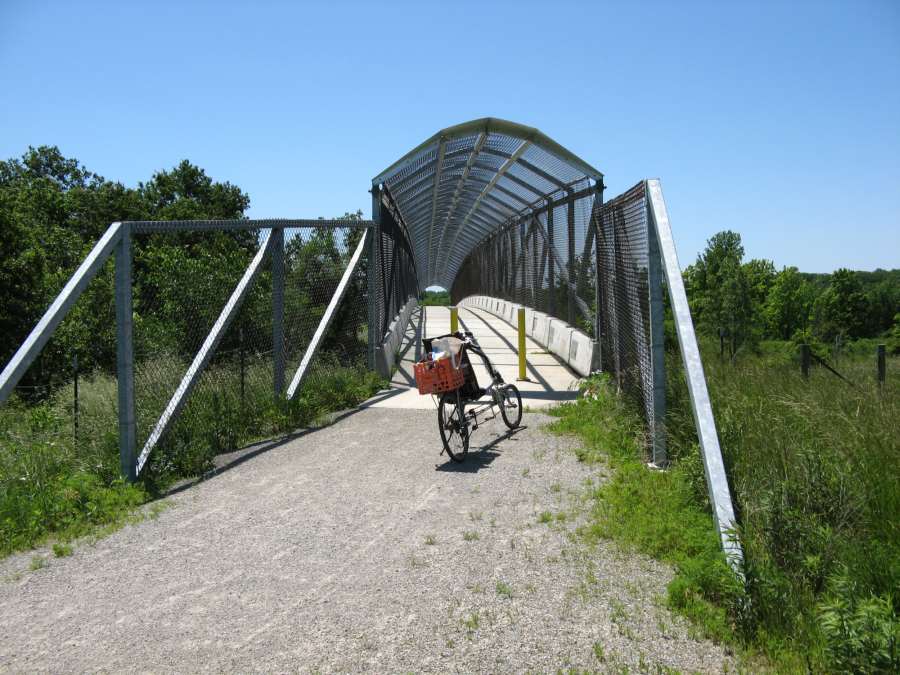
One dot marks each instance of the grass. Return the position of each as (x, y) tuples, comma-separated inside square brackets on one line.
[(814, 468), (53, 485), (504, 589), (470, 535)]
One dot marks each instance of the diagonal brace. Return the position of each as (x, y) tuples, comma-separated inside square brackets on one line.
[(229, 311), (325, 321)]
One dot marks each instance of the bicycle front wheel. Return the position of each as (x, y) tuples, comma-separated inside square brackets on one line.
[(453, 426), (510, 402)]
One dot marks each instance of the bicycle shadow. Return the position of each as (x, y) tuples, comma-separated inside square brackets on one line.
[(479, 458)]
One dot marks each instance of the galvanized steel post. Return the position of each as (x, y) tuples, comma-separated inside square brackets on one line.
[(598, 291), (373, 277), (551, 281), (125, 355), (657, 348), (570, 273), (277, 252)]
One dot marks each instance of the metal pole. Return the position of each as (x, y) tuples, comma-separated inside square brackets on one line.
[(243, 364), (551, 308), (125, 356), (657, 348), (75, 396), (882, 366), (373, 277), (570, 274), (278, 309), (598, 285), (804, 360)]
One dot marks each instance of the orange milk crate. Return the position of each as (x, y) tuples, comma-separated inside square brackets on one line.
[(435, 377)]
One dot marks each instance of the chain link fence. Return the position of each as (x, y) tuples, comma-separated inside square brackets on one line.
[(547, 259)]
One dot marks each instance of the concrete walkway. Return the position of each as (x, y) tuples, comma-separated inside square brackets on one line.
[(550, 380)]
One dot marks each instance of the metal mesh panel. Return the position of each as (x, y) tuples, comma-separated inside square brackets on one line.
[(548, 260), (539, 258), (625, 311), (237, 396)]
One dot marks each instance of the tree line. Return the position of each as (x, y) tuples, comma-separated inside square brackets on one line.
[(744, 302), (52, 212)]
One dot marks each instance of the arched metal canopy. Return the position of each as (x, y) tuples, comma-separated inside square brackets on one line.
[(466, 181)]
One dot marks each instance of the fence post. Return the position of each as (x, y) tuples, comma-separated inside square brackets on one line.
[(570, 273), (243, 363), (804, 360), (372, 278), (551, 281), (882, 366), (278, 309), (75, 396), (657, 348), (125, 356), (598, 289)]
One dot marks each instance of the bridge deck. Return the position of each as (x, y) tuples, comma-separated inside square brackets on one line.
[(550, 380)]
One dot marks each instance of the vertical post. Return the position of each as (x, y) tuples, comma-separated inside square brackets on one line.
[(551, 308), (454, 319), (882, 366), (657, 348), (75, 396), (125, 356), (372, 277), (598, 285), (243, 363), (570, 273), (523, 374), (804, 360), (278, 309)]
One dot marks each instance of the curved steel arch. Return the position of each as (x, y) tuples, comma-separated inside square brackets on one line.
[(466, 181)]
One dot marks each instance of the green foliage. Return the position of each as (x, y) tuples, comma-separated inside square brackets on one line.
[(746, 302), (813, 466), (52, 211), (435, 298), (658, 513), (720, 289)]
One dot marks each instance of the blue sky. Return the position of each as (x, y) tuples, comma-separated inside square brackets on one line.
[(780, 121)]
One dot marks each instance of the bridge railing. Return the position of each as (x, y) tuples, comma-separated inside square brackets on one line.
[(202, 332)]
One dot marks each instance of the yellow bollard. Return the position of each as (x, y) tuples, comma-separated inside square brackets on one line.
[(523, 375), (454, 319)]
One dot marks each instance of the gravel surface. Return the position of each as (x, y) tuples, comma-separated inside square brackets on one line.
[(356, 547)]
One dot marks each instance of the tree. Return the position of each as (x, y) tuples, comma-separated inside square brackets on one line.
[(841, 309), (721, 289), (787, 306)]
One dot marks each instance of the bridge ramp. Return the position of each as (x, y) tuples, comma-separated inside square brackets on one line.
[(550, 381)]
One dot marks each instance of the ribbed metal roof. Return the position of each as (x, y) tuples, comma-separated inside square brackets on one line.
[(466, 181)]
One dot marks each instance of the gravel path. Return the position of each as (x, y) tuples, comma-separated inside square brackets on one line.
[(357, 547)]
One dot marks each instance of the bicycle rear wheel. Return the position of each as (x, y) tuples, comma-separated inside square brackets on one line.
[(453, 426)]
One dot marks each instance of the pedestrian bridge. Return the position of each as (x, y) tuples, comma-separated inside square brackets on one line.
[(488, 208)]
